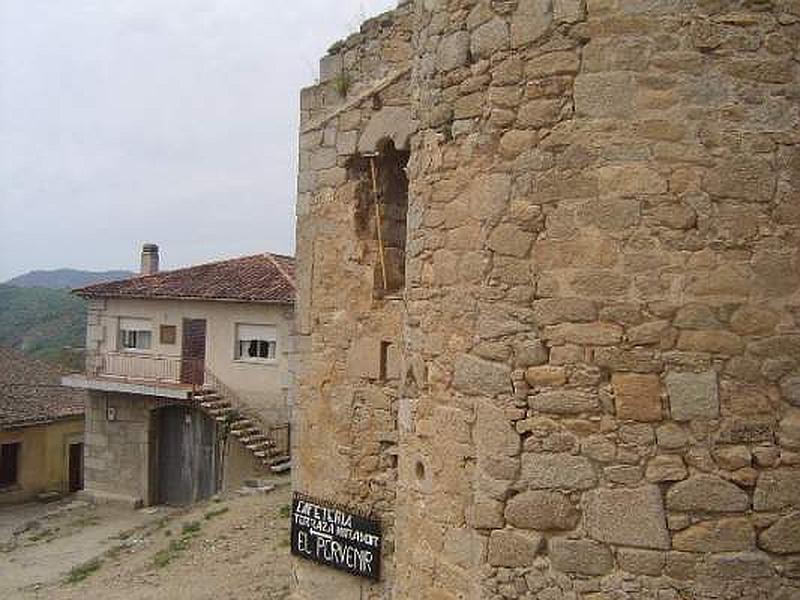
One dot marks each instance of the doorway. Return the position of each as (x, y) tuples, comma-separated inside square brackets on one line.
[(9, 464), (75, 468), (185, 460), (193, 351)]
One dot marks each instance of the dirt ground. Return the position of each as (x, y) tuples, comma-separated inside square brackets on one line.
[(236, 546)]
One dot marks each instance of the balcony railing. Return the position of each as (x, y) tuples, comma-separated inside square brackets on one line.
[(148, 368)]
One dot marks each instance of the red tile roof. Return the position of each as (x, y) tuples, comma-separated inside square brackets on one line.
[(263, 278), (31, 394)]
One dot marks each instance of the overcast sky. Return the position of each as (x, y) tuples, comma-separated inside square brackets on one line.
[(166, 121)]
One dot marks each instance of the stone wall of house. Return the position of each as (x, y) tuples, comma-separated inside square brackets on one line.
[(599, 385), (117, 448)]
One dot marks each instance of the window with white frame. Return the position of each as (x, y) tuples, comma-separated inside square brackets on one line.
[(135, 334), (256, 342)]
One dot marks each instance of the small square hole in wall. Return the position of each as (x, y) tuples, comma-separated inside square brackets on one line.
[(168, 334)]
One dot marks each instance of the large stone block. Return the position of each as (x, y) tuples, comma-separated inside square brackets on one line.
[(754, 320), (604, 94), (637, 396), (513, 548), (789, 432), (749, 178), (464, 547), (598, 334), (665, 468), (564, 402), (723, 535), (629, 180), (486, 513), (739, 565), (627, 517), (393, 122), (568, 11), (553, 63), (510, 240), (489, 38), (541, 510), (473, 375), (693, 395), (531, 21), (548, 311), (783, 536), (641, 562), (557, 471), (580, 556), (715, 341), (494, 433), (790, 389), (707, 493), (488, 195), (453, 51), (539, 113), (364, 358), (777, 489)]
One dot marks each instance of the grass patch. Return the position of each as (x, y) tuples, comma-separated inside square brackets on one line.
[(343, 83), (191, 527), (80, 572), (124, 535), (285, 511), (47, 534), (176, 547), (216, 512), (114, 552), (85, 521)]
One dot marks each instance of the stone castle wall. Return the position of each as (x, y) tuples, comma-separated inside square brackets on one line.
[(348, 338), (597, 352)]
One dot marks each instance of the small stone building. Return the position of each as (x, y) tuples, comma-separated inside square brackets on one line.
[(548, 313), (41, 430), (188, 380)]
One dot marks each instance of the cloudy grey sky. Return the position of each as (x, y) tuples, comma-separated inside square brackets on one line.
[(167, 121)]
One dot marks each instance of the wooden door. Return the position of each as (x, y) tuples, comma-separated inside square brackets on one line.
[(187, 469), (193, 351), (75, 467)]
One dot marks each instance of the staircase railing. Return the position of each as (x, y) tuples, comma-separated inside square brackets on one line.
[(279, 435)]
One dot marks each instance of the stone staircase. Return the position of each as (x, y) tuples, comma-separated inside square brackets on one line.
[(248, 429)]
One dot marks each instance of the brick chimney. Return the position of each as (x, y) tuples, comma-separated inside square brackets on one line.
[(149, 259)]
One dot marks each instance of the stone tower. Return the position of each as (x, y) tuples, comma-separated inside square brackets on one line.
[(549, 299)]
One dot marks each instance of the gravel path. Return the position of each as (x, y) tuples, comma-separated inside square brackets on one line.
[(234, 548)]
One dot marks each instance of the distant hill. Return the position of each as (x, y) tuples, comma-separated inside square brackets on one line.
[(65, 278), (45, 323)]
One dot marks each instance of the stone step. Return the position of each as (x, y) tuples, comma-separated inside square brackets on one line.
[(212, 404), (259, 447), (245, 431), (280, 464), (255, 437), (219, 413)]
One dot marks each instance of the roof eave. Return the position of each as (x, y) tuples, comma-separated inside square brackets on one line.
[(193, 298)]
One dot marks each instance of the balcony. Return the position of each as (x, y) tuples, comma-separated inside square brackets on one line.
[(140, 373)]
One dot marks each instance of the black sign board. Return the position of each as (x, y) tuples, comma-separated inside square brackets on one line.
[(336, 536)]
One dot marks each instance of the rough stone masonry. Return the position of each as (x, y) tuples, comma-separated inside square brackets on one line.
[(557, 346)]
